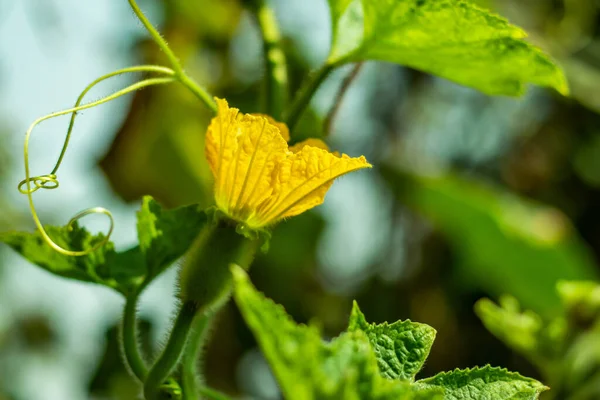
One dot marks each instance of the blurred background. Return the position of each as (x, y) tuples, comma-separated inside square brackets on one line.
[(471, 196)]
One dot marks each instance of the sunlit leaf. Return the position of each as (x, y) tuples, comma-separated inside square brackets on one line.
[(454, 39), (485, 383), (401, 347), (306, 367)]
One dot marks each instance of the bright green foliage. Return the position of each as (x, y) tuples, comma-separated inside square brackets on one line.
[(582, 298), (485, 383), (401, 348), (309, 368), (503, 243), (450, 38), (518, 329), (346, 368), (565, 349), (164, 237)]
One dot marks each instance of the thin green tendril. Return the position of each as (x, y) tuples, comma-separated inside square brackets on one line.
[(50, 181)]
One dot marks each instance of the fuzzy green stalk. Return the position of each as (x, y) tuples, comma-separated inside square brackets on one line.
[(157, 379), (205, 277), (173, 60), (190, 378), (129, 338)]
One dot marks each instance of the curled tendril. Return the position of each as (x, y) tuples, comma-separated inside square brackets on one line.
[(50, 181)]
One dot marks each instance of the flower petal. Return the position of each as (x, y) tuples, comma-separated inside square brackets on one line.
[(309, 142), (302, 179), (283, 128), (242, 151)]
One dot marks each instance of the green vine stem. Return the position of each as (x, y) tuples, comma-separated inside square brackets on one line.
[(189, 373), (328, 124), (50, 181), (306, 92), (171, 354), (129, 338), (173, 60), (213, 394), (276, 75), (138, 68)]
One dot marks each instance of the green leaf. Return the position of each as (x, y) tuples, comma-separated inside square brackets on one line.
[(105, 266), (503, 243), (454, 39), (581, 298), (519, 330), (165, 235), (485, 383), (306, 367), (401, 348)]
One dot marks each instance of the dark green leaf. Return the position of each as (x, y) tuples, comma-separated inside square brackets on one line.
[(105, 266), (165, 235)]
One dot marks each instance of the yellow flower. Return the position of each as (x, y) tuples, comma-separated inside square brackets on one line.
[(259, 180)]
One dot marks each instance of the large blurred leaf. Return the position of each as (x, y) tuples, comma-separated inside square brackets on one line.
[(485, 383), (309, 368), (165, 235), (504, 244), (401, 348), (450, 38)]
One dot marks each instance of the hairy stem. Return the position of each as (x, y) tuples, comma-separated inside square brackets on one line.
[(173, 60), (160, 41), (129, 338), (190, 376), (171, 354), (305, 94), (276, 79)]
